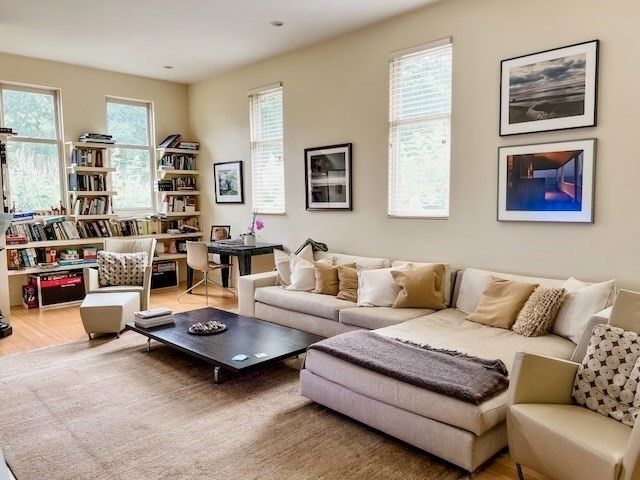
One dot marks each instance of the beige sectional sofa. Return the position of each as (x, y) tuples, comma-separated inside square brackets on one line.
[(459, 432)]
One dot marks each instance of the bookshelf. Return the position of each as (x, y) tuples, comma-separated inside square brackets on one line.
[(178, 197), (89, 181), (88, 175)]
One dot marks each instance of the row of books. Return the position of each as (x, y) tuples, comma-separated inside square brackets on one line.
[(189, 145), (87, 157), (91, 206), (169, 184), (173, 204), (7, 131), (96, 138), (179, 162), (63, 229), (43, 258), (87, 183), (60, 229)]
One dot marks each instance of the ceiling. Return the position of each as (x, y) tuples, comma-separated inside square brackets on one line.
[(199, 38)]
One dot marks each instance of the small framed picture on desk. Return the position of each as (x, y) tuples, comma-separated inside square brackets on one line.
[(220, 232)]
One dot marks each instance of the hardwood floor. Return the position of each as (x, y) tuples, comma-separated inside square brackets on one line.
[(39, 328)]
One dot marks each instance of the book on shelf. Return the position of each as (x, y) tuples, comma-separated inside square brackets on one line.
[(7, 131), (96, 138), (171, 141)]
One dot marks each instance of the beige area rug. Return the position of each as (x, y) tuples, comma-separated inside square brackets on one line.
[(108, 410)]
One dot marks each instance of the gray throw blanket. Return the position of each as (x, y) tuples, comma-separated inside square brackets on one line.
[(466, 378)]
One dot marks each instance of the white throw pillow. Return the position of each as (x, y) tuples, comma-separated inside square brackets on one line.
[(303, 275), (377, 288), (578, 306), (283, 262)]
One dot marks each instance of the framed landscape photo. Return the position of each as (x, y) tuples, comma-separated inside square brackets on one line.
[(547, 182), (229, 183), (328, 177), (551, 90)]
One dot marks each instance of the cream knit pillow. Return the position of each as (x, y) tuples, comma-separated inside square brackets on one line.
[(539, 312)]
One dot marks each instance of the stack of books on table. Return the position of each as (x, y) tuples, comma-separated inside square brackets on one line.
[(153, 318)]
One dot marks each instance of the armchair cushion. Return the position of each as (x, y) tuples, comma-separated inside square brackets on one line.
[(122, 268), (607, 380)]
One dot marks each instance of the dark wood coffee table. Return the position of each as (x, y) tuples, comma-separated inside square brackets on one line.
[(244, 335)]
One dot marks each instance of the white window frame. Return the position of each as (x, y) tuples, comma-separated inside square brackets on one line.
[(150, 147), (59, 140), (393, 184), (256, 141)]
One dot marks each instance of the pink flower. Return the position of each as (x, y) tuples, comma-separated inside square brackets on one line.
[(257, 223)]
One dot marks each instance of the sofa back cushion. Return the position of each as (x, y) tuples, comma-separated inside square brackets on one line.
[(474, 281), (362, 263)]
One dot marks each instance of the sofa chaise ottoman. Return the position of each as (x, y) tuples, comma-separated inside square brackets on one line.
[(462, 433)]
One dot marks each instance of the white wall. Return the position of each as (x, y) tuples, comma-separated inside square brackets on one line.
[(337, 92), (83, 91)]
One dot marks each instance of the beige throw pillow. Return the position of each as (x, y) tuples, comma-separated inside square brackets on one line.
[(539, 312), (348, 283), (327, 281), (421, 287), (501, 301)]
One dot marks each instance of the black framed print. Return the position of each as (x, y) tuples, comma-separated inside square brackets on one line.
[(328, 177), (551, 90), (547, 182), (229, 182)]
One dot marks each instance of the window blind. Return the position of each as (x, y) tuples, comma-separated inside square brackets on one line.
[(267, 150), (420, 131)]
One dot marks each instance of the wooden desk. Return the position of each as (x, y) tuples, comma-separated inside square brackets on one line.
[(243, 253)]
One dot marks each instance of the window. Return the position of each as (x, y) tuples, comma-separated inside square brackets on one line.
[(132, 156), (267, 149), (33, 156), (420, 131)]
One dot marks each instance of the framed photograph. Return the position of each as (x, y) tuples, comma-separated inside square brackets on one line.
[(551, 90), (220, 232), (229, 183), (328, 177), (547, 182)]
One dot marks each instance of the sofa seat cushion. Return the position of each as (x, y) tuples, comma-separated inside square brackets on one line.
[(566, 435), (379, 317), (449, 330), (316, 304)]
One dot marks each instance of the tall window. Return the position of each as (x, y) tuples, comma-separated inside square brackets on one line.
[(420, 131), (33, 156), (267, 149), (132, 156)]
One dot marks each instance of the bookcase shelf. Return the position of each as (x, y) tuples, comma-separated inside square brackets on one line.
[(182, 214), (89, 180), (177, 168), (180, 193), (173, 172)]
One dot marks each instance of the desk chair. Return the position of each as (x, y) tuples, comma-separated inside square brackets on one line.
[(198, 259)]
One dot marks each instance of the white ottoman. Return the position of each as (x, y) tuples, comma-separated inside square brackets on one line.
[(108, 312)]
